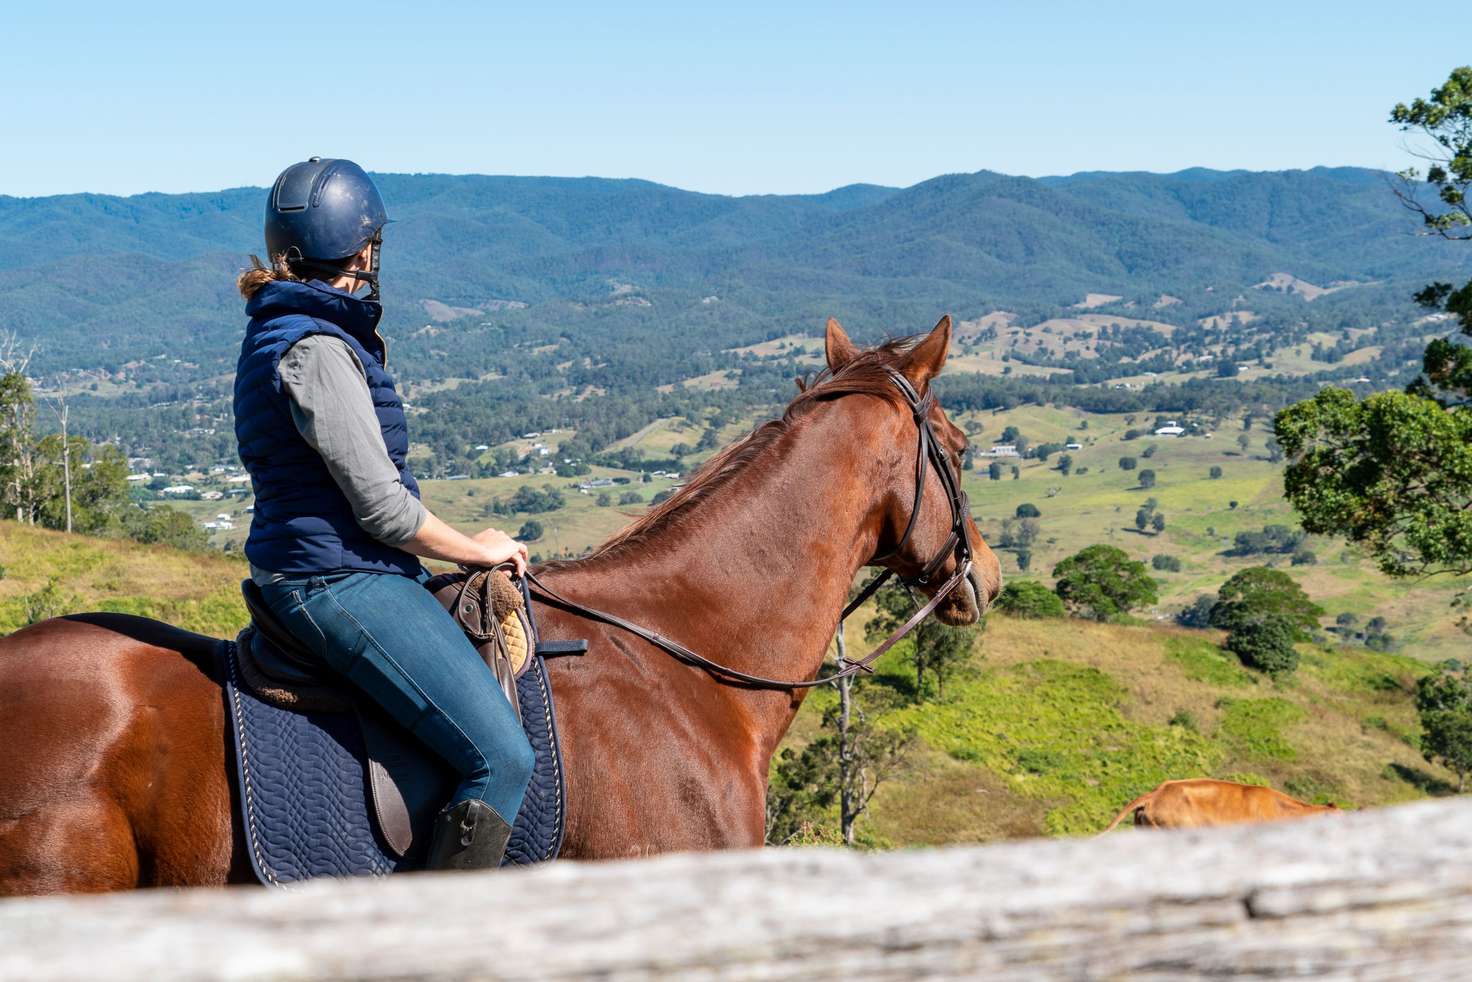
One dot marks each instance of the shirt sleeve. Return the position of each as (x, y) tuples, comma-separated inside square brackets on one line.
[(333, 411)]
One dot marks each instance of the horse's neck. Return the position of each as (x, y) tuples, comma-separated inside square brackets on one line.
[(754, 575)]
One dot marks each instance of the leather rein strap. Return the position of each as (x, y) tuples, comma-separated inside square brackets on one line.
[(929, 453)]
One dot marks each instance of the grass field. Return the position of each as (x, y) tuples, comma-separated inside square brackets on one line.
[(1054, 725)]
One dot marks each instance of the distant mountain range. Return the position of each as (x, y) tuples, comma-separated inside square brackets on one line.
[(100, 280)]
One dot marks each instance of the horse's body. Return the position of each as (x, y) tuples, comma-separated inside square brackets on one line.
[(115, 769), (1201, 802)]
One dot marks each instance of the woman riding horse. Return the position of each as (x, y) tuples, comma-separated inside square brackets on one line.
[(338, 522)]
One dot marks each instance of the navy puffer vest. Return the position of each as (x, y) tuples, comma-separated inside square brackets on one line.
[(303, 523)]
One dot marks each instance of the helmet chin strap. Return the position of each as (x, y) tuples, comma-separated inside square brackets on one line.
[(359, 276)]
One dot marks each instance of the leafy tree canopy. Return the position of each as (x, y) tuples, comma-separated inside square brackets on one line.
[(1258, 594), (1102, 582), (1028, 598)]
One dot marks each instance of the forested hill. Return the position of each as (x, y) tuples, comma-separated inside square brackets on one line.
[(99, 281)]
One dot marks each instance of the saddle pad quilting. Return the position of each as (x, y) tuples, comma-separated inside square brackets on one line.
[(305, 791)]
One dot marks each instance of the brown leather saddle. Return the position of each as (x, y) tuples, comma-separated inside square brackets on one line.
[(281, 671)]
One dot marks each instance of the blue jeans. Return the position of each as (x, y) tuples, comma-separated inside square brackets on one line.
[(392, 640)]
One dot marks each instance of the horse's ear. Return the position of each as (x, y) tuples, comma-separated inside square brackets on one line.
[(837, 347), (927, 358)]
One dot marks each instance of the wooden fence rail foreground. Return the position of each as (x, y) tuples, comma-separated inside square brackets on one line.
[(1381, 894)]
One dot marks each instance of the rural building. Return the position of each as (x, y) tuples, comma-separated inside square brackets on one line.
[(1002, 450), (1171, 428)]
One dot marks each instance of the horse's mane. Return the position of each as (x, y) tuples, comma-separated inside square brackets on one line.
[(867, 374)]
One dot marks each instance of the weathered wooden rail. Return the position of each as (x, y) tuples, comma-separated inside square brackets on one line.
[(1383, 894)]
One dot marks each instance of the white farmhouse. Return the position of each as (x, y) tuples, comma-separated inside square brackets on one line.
[(1171, 428)]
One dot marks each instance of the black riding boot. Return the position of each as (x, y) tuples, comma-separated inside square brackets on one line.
[(469, 835)]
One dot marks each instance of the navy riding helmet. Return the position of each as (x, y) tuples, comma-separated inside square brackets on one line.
[(322, 212)]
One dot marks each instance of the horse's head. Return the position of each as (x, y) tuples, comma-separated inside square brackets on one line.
[(917, 526)]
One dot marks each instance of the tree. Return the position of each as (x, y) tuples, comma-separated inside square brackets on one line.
[(17, 437), (1065, 463), (1157, 522), (994, 471), (603, 500), (1102, 582), (1165, 564), (631, 498), (1444, 702), (1027, 510), (165, 526), (1147, 478), (1265, 614), (530, 531), (938, 650), (1215, 473), (1394, 471), (1243, 441), (1028, 598), (1127, 463)]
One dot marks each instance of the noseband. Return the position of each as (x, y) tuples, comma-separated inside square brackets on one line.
[(928, 454)]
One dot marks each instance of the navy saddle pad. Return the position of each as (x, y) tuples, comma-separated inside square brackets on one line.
[(307, 791)]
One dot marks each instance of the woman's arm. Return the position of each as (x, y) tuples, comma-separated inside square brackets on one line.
[(490, 547), (333, 411)]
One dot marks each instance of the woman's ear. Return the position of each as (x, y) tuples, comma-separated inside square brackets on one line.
[(837, 347), (927, 358)]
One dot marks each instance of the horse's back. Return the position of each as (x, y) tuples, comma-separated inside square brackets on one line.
[(114, 772)]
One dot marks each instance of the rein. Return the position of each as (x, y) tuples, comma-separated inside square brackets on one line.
[(929, 453)]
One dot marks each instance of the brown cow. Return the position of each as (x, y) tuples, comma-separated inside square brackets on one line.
[(1200, 802)]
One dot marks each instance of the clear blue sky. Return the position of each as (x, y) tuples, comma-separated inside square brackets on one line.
[(732, 97)]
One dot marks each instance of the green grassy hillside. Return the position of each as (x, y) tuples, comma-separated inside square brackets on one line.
[(1054, 725), (53, 573)]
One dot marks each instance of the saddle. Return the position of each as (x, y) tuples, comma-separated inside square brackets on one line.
[(488, 607), (331, 786)]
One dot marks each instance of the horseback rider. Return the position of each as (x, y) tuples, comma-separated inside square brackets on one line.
[(338, 522)]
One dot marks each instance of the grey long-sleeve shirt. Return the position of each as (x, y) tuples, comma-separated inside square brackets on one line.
[(333, 411)]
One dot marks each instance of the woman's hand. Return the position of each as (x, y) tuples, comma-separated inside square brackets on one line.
[(501, 548), (490, 547)]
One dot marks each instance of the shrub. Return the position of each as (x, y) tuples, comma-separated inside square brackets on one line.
[(604, 500), (1028, 598), (1266, 645), (1215, 473), (1147, 479), (1444, 702), (1185, 719), (47, 602), (530, 531), (1149, 451), (1127, 463), (1305, 557), (1102, 582), (631, 498), (1265, 613), (1164, 563), (1028, 510), (1197, 613)]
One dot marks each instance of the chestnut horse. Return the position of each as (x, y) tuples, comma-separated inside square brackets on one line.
[(115, 769)]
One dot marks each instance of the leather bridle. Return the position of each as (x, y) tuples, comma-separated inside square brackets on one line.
[(929, 454)]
